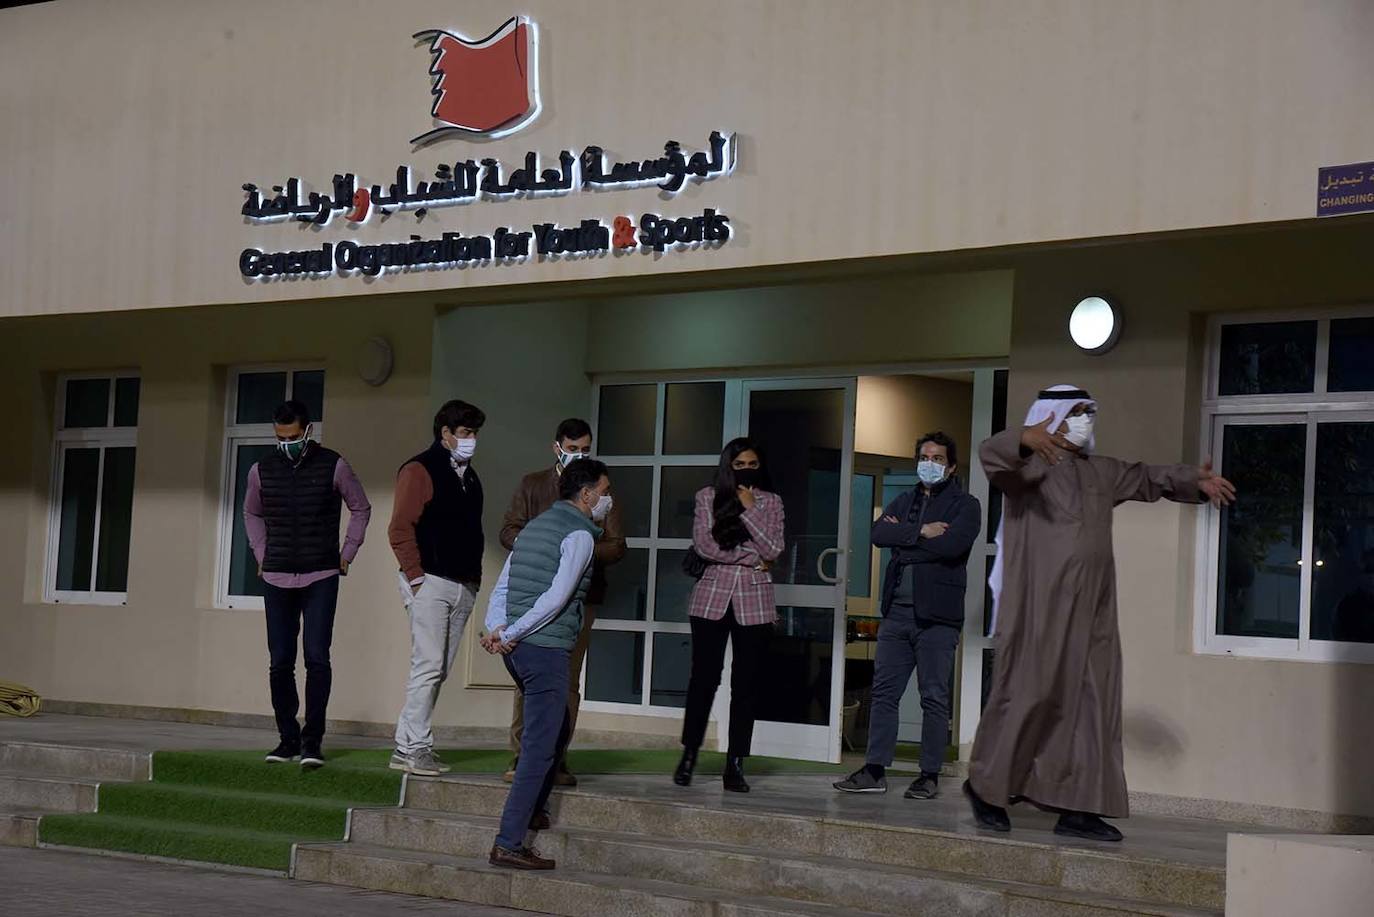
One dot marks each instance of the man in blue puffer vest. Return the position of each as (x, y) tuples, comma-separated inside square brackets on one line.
[(533, 620)]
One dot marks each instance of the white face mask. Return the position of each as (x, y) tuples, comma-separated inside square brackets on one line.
[(602, 507), (1080, 429), (463, 449), (567, 458), (930, 473)]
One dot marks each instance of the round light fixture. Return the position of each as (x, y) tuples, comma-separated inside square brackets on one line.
[(1095, 324), (375, 361)]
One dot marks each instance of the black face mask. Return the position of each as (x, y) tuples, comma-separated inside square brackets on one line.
[(747, 477)]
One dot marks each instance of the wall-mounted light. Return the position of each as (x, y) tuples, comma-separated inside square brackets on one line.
[(1095, 324), (375, 361)]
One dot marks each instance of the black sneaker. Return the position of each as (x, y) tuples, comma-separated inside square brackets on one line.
[(283, 753), (926, 786), (987, 815), (311, 756), (861, 781), (1088, 827)]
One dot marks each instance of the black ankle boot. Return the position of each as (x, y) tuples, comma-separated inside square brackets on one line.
[(683, 775), (1087, 826), (734, 774)]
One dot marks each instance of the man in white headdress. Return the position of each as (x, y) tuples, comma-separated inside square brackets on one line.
[(1050, 733)]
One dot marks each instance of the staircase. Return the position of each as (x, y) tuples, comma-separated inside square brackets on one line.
[(627, 847), (38, 779)]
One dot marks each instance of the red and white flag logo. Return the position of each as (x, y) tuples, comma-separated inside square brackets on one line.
[(486, 87)]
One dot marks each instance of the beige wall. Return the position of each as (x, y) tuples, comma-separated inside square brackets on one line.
[(866, 129), (1291, 734), (892, 412)]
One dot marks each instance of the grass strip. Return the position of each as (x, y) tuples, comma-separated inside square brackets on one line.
[(182, 841)]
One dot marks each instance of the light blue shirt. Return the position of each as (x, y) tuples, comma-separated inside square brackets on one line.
[(575, 553)]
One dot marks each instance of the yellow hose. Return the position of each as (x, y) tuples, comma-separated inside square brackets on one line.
[(17, 700)]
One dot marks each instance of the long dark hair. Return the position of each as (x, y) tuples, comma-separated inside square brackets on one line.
[(727, 528)]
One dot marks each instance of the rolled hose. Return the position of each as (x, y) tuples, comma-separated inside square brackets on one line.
[(17, 700)]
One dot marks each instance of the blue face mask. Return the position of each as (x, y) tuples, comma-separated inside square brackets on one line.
[(930, 473)]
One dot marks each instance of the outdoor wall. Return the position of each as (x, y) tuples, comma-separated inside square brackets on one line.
[(1265, 733), (892, 412), (865, 129)]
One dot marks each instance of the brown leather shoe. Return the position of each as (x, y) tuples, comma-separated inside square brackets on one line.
[(540, 821), (509, 775), (564, 777), (524, 858)]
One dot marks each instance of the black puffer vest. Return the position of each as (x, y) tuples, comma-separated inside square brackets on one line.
[(449, 532), (302, 511)]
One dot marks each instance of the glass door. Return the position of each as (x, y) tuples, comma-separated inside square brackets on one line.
[(806, 430)]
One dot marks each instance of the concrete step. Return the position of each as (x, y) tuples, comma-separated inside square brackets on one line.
[(570, 892), (50, 760), (878, 889), (19, 826), (47, 794), (1115, 872)]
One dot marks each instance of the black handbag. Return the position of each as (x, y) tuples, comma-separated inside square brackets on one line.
[(693, 564)]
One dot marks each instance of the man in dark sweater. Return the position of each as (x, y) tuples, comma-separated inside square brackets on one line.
[(930, 530), (436, 534), (291, 512)]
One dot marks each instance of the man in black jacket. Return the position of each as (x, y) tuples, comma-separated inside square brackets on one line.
[(930, 531)]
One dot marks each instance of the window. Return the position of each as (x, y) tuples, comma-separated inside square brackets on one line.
[(91, 512), (1290, 420), (662, 441), (253, 395)]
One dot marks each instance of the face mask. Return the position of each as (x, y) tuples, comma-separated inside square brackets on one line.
[(746, 477), (602, 507), (567, 458), (294, 449), (463, 450), (1080, 429), (930, 473)]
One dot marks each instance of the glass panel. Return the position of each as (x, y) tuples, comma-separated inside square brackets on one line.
[(989, 657), (633, 487), (116, 518), (994, 512), (672, 588), (999, 401), (627, 420), (1349, 367), (308, 387), (801, 430), (1260, 548), (797, 686), (677, 498), (615, 667), (627, 587), (694, 418), (860, 525), (258, 396), (672, 667), (1343, 534), (87, 403), (243, 567), (126, 402), (1269, 358), (987, 594), (76, 527)]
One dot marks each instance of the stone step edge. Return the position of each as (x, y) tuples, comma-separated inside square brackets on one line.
[(819, 820), (488, 825), (50, 779), (696, 893), (170, 861), (142, 760)]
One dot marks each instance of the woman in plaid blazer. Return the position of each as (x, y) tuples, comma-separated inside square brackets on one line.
[(738, 532)]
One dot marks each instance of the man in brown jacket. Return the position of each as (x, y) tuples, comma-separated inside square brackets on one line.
[(538, 491)]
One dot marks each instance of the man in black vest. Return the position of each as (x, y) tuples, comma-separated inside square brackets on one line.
[(291, 511), (436, 535), (930, 531)]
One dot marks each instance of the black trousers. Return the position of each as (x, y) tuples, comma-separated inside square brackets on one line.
[(708, 661), (286, 608)]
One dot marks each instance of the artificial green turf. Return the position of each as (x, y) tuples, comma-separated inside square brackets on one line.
[(232, 807)]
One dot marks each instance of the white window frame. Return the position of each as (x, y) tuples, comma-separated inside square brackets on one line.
[(1309, 409), (246, 434), (657, 461), (64, 439)]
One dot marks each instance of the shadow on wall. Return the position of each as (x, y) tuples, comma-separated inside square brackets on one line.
[(1148, 734), (1348, 761)]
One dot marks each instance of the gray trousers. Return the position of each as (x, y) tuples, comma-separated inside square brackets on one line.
[(438, 614), (928, 647)]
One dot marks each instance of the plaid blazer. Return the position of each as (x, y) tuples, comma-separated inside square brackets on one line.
[(731, 578)]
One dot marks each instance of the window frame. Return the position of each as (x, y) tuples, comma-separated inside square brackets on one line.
[(246, 434), (1311, 409), (64, 440)]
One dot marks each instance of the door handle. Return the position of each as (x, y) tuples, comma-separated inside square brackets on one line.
[(820, 566)]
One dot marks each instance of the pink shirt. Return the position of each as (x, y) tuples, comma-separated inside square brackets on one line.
[(347, 486)]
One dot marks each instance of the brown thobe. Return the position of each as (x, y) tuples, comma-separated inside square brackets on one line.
[(1051, 730)]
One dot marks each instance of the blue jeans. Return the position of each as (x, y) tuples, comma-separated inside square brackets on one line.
[(285, 610), (541, 674), (905, 643)]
